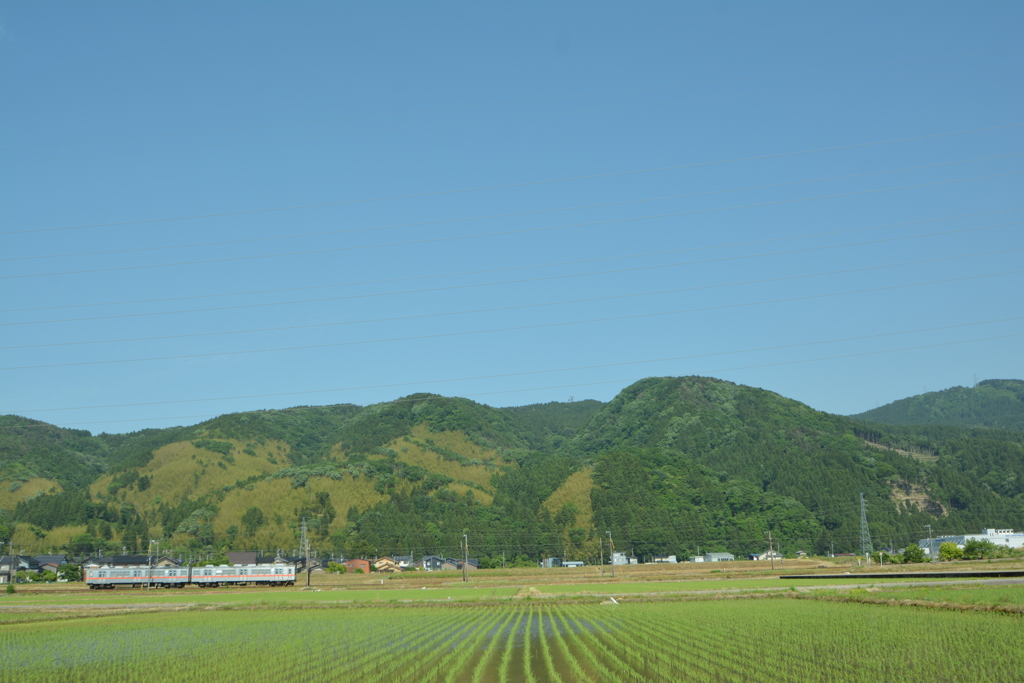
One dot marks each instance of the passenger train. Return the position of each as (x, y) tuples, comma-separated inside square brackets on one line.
[(179, 577)]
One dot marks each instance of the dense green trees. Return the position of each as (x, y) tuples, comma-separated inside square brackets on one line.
[(678, 463)]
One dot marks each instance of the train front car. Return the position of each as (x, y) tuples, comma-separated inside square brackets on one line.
[(134, 576)]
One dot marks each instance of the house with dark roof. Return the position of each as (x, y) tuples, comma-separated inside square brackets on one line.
[(243, 558), (51, 562), (430, 563), (19, 562)]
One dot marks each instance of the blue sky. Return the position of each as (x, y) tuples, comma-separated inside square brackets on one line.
[(217, 207)]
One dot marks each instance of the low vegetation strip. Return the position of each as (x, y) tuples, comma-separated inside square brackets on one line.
[(799, 640)]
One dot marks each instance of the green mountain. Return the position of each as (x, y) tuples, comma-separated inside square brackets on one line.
[(670, 466), (996, 403)]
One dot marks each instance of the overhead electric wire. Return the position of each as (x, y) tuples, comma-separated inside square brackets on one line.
[(511, 329), (524, 373), (518, 184), (494, 119), (497, 103), (522, 306), (578, 384), (512, 268), (507, 282), (504, 215), (435, 240)]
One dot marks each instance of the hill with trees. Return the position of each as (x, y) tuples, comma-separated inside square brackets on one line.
[(995, 403), (670, 466)]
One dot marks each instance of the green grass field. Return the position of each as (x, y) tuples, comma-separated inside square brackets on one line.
[(724, 640)]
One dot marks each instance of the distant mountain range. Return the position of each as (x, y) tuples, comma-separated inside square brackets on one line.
[(996, 403), (669, 466)]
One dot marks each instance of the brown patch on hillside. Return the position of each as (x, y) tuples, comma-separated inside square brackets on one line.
[(912, 494), (923, 457)]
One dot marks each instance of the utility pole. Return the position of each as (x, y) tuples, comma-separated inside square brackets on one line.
[(305, 546), (611, 552), (149, 582), (465, 558), (865, 537), (931, 545), (600, 543), (771, 555)]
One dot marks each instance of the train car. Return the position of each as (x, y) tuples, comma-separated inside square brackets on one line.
[(178, 577), (135, 576), (245, 574)]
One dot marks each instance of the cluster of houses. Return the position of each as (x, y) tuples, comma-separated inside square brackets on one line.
[(399, 563), (30, 563)]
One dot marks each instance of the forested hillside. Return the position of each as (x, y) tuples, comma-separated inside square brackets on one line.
[(996, 403), (671, 465)]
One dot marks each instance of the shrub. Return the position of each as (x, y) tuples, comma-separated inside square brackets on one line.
[(950, 551)]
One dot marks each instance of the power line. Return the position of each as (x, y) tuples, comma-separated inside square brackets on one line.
[(504, 308), (522, 183), (526, 373), (504, 102), (434, 240), (526, 267), (599, 383), (507, 329), (504, 215), (493, 119), (508, 282)]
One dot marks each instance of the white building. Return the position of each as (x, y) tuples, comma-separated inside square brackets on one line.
[(1005, 538)]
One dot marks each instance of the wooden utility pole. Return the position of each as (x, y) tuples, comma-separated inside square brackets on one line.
[(771, 554), (465, 558), (305, 546), (611, 552), (600, 542)]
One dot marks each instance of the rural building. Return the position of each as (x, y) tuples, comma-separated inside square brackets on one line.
[(766, 555), (50, 562), (623, 558), (719, 557), (664, 559), (572, 563), (243, 558), (387, 565), (20, 562), (429, 563), (354, 565), (1005, 538), (697, 558), (403, 561), (549, 562)]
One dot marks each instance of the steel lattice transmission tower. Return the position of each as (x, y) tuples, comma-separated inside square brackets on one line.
[(865, 536)]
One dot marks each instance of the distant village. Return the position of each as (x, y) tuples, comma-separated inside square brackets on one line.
[(61, 568)]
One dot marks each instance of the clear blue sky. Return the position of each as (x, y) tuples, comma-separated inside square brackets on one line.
[(218, 207)]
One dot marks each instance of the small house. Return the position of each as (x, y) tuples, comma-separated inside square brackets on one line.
[(429, 563), (355, 566), (664, 559), (549, 562), (766, 555), (719, 557), (387, 565), (572, 563)]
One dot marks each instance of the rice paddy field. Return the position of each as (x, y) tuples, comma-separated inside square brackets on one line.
[(775, 637)]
